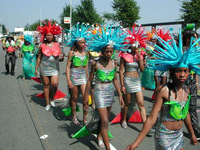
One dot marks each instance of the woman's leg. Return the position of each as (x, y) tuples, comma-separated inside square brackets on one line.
[(85, 103), (104, 114), (140, 102), (46, 83), (127, 101), (74, 97), (54, 86)]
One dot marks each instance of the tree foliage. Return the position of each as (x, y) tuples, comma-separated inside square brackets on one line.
[(4, 30), (191, 12), (125, 11), (82, 13)]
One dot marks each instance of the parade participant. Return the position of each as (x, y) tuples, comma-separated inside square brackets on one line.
[(172, 101), (29, 56), (129, 76), (10, 47), (106, 76), (77, 68), (192, 83), (48, 61)]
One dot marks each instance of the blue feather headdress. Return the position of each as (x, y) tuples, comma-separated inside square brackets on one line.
[(172, 56), (29, 38), (114, 37), (80, 31)]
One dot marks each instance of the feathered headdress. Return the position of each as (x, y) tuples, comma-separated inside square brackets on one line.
[(171, 56), (114, 37), (29, 38), (80, 31), (164, 35), (54, 29), (136, 36), (151, 34)]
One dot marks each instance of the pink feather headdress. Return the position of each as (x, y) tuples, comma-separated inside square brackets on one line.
[(164, 35), (136, 36), (54, 29)]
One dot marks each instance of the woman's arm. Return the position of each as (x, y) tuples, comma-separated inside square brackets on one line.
[(150, 120), (188, 125), (116, 84), (89, 82), (70, 84), (86, 67), (121, 75), (38, 61), (140, 60)]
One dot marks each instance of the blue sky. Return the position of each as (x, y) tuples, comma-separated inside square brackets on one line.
[(16, 13)]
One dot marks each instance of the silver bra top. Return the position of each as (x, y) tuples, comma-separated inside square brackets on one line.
[(129, 67)]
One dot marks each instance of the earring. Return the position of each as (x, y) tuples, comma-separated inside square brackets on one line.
[(170, 80)]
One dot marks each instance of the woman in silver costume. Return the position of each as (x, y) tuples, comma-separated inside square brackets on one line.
[(172, 101), (76, 74), (48, 61), (104, 90), (131, 84)]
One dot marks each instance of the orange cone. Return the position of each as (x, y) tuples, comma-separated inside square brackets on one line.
[(117, 119), (59, 94), (136, 117), (37, 79)]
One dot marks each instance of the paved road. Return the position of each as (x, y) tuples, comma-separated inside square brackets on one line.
[(24, 119)]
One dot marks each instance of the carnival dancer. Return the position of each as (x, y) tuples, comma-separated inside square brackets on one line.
[(130, 62), (106, 78), (10, 47), (77, 68), (172, 101), (192, 83), (147, 76), (48, 61), (29, 56)]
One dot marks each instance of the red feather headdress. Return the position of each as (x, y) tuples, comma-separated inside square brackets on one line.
[(136, 36), (54, 29), (164, 35)]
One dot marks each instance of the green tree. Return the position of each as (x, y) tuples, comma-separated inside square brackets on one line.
[(191, 12), (4, 30), (125, 12), (33, 27), (82, 13)]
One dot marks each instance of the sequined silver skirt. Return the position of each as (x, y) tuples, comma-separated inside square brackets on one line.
[(49, 66), (132, 84), (103, 95), (168, 139), (78, 76)]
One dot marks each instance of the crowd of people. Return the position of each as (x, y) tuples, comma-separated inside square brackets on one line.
[(153, 60)]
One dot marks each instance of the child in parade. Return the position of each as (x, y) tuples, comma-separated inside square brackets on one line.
[(172, 101), (130, 62), (106, 79), (48, 61), (77, 68)]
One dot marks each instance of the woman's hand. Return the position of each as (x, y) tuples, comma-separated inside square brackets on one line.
[(70, 84), (121, 101), (123, 89), (193, 140), (132, 146), (36, 72)]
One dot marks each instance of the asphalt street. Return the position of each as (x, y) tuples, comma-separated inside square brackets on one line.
[(24, 119)]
